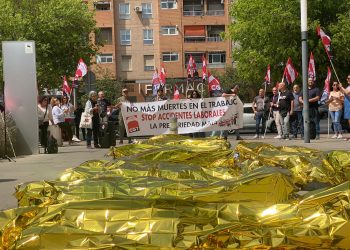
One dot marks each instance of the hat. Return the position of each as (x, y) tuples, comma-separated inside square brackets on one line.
[(124, 90)]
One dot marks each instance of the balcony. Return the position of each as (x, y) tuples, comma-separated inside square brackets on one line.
[(215, 13)]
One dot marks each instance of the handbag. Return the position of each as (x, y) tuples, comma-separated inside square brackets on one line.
[(86, 120)]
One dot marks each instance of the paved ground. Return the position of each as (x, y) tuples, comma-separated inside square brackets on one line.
[(49, 167)]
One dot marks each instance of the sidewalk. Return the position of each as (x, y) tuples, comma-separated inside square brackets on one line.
[(50, 166)]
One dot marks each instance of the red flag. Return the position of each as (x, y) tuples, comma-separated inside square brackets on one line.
[(312, 69), (155, 81), (213, 85), (268, 75), (326, 41), (81, 69), (191, 66), (162, 75), (65, 88), (290, 73), (326, 89), (176, 93), (204, 68)]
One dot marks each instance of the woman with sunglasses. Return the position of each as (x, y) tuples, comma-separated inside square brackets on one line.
[(335, 107)]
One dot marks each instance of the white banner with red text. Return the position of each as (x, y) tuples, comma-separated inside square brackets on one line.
[(193, 115)]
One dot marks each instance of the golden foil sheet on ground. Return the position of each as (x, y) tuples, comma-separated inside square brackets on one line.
[(172, 192)]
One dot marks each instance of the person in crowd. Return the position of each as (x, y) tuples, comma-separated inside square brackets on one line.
[(261, 106), (346, 92), (58, 119), (104, 105), (122, 129), (68, 110), (286, 105), (314, 95), (92, 107), (77, 117), (335, 107), (195, 95), (297, 116), (44, 116), (232, 92), (276, 111), (160, 95)]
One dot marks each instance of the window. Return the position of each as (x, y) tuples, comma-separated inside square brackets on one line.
[(149, 62), (104, 58), (147, 10), (125, 37), (104, 36), (168, 4), (170, 56), (197, 57), (100, 6), (124, 11), (169, 30), (217, 57), (148, 36), (126, 63)]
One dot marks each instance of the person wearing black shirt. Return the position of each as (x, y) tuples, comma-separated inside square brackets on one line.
[(314, 95), (286, 105), (103, 103)]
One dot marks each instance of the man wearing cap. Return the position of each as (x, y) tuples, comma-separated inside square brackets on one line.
[(314, 95), (122, 130)]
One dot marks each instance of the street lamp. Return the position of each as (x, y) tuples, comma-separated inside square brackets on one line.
[(306, 116)]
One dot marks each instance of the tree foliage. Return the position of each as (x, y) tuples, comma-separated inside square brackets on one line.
[(268, 32), (60, 29)]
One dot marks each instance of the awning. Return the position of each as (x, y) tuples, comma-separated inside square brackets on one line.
[(195, 30)]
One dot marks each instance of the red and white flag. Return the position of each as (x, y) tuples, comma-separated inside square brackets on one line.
[(162, 75), (155, 82), (290, 73), (326, 41), (213, 85), (191, 66), (312, 69), (81, 69), (327, 84), (176, 93), (65, 87), (204, 69), (268, 75)]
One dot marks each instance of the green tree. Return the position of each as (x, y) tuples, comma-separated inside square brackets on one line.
[(268, 32), (60, 29)]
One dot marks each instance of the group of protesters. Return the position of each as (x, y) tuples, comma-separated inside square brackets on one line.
[(286, 108)]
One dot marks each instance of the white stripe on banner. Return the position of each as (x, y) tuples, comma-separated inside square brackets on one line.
[(193, 115)]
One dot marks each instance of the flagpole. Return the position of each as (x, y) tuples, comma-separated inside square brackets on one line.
[(335, 72), (306, 112)]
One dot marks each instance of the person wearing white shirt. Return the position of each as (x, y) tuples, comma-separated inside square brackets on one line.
[(58, 119)]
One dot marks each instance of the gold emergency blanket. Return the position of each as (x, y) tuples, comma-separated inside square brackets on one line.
[(172, 192)]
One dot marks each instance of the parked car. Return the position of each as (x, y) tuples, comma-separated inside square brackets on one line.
[(249, 121)]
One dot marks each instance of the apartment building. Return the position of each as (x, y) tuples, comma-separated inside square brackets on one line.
[(142, 35)]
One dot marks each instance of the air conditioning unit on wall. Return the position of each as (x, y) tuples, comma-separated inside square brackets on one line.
[(138, 8)]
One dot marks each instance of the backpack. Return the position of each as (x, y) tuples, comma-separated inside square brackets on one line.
[(52, 146)]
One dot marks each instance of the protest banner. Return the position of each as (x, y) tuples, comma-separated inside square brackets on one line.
[(193, 115)]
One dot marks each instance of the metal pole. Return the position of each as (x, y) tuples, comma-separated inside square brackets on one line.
[(306, 115)]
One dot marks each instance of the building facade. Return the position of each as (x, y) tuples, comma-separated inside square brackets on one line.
[(141, 35)]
